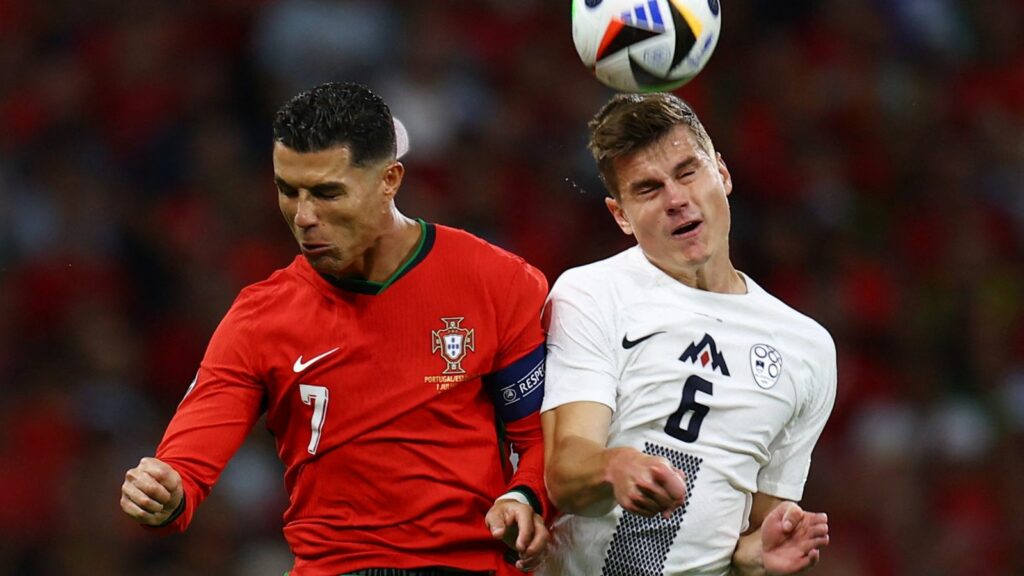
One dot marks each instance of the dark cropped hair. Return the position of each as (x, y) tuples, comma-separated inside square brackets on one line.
[(338, 114), (629, 122)]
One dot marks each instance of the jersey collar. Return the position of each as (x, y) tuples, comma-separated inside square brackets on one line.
[(427, 235)]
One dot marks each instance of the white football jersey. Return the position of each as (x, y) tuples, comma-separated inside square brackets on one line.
[(734, 389)]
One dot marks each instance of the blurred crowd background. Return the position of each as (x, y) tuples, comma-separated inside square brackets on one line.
[(877, 149)]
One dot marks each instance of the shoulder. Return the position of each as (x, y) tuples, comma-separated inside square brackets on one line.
[(612, 277), (806, 332), (256, 298), (458, 243), (461, 250)]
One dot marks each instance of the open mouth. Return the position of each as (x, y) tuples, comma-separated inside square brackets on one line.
[(313, 248), (686, 228)]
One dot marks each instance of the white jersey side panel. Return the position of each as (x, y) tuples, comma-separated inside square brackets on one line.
[(733, 389)]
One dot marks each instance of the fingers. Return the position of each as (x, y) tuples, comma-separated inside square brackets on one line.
[(817, 536), (813, 556), (150, 491), (160, 472), (659, 489), (672, 481), (522, 516), (531, 557), (496, 521), (654, 501), (521, 529), (511, 521), (792, 516), (145, 493)]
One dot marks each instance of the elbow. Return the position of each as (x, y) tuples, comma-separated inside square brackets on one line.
[(561, 493), (568, 499), (557, 494)]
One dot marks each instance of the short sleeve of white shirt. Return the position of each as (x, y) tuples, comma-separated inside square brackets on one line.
[(786, 473), (580, 363)]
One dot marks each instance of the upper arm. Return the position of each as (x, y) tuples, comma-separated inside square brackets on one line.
[(569, 423), (216, 415), (585, 420), (786, 473), (581, 363), (520, 291)]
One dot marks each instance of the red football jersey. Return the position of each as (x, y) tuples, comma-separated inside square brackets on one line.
[(377, 398)]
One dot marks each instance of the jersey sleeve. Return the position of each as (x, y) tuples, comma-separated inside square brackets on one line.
[(786, 473), (215, 416), (520, 304), (580, 364), (517, 385)]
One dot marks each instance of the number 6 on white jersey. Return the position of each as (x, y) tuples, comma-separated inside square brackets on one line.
[(317, 396)]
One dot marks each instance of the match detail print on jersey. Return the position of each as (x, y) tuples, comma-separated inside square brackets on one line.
[(640, 545)]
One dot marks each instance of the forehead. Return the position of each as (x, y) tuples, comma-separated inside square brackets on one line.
[(306, 168), (659, 156)]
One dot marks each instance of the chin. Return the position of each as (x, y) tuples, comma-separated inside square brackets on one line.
[(693, 260), (321, 264)]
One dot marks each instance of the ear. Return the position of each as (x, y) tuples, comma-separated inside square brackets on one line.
[(723, 171), (621, 218), (391, 178)]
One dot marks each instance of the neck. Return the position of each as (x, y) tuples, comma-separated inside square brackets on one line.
[(710, 276), (390, 250), (393, 248)]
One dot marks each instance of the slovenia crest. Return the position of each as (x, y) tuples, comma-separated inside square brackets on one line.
[(765, 364), (454, 342)]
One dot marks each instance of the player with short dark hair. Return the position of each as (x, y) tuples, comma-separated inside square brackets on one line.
[(683, 401), (390, 359)]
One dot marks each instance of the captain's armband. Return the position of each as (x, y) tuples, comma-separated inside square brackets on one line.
[(518, 389)]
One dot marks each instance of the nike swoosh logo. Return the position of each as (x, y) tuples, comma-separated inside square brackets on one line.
[(300, 365), (627, 343)]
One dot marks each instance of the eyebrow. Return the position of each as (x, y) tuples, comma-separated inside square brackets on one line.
[(327, 187), (686, 163), (321, 188)]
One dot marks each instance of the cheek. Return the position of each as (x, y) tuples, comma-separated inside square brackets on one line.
[(721, 215), (649, 216), (287, 211)]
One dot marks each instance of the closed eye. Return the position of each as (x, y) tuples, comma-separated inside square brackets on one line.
[(647, 190), (328, 191)]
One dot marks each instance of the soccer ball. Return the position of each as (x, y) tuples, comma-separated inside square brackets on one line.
[(645, 45)]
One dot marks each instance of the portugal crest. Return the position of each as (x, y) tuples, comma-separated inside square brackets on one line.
[(454, 342)]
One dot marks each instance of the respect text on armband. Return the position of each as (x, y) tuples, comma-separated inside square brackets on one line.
[(525, 386)]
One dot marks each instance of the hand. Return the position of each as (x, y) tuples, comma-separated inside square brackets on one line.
[(151, 492), (792, 539), (521, 529), (646, 485)]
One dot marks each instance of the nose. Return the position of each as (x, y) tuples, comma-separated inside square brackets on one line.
[(677, 197), (305, 212)]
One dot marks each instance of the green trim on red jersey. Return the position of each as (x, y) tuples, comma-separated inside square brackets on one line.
[(427, 235)]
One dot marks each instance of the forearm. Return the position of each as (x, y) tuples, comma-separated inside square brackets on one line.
[(746, 559), (577, 476), (528, 442)]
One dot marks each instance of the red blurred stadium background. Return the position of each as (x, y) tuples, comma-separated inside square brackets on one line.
[(877, 149)]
